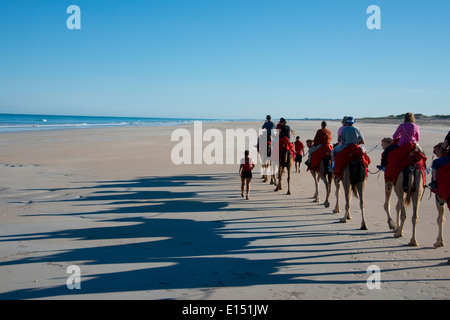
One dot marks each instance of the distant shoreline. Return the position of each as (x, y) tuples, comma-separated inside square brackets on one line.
[(420, 119)]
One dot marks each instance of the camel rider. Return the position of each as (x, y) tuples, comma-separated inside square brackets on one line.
[(268, 125), (407, 132), (350, 135), (443, 159), (284, 137), (339, 133), (323, 136), (285, 130)]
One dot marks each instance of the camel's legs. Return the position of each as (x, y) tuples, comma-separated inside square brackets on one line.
[(328, 189), (273, 179), (265, 172), (348, 198), (401, 211), (415, 219), (338, 186), (273, 173), (361, 187), (416, 196), (316, 182), (280, 178), (289, 168), (401, 205), (398, 210), (387, 205), (285, 162), (440, 205)]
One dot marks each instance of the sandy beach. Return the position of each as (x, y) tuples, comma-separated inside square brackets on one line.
[(112, 202)]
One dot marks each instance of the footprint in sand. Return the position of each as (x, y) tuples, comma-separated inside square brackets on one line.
[(18, 165)]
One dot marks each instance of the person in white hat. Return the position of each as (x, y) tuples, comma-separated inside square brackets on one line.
[(350, 135)]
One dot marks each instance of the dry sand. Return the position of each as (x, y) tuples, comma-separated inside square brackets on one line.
[(111, 201)]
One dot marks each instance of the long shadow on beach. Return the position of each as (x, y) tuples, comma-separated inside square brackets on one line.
[(172, 253)]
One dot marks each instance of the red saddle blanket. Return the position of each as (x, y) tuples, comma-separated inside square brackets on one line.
[(347, 155), (285, 144), (317, 156), (443, 183), (402, 157)]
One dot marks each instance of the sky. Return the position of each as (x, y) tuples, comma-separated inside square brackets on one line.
[(225, 59)]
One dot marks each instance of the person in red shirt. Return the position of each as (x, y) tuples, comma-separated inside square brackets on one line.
[(299, 149), (323, 136), (245, 171)]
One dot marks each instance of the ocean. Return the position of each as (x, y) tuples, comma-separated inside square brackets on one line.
[(27, 122)]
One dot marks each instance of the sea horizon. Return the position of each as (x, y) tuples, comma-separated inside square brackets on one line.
[(16, 122)]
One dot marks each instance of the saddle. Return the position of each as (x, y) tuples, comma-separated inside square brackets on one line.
[(350, 153), (321, 154), (286, 145), (404, 156), (442, 179)]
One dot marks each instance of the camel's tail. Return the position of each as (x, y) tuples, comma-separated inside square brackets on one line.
[(355, 190), (409, 183), (287, 158), (356, 176)]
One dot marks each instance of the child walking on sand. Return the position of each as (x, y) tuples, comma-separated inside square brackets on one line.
[(245, 171)]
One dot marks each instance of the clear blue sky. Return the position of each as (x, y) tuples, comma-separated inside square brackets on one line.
[(225, 58)]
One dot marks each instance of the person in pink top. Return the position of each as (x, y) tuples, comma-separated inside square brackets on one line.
[(344, 124), (408, 131)]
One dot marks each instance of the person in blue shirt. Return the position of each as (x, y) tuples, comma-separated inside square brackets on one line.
[(350, 135), (443, 155), (268, 125)]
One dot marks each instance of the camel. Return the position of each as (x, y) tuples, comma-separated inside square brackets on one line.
[(440, 205), (442, 196), (327, 178), (353, 181), (286, 161), (269, 170), (412, 192), (268, 166)]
